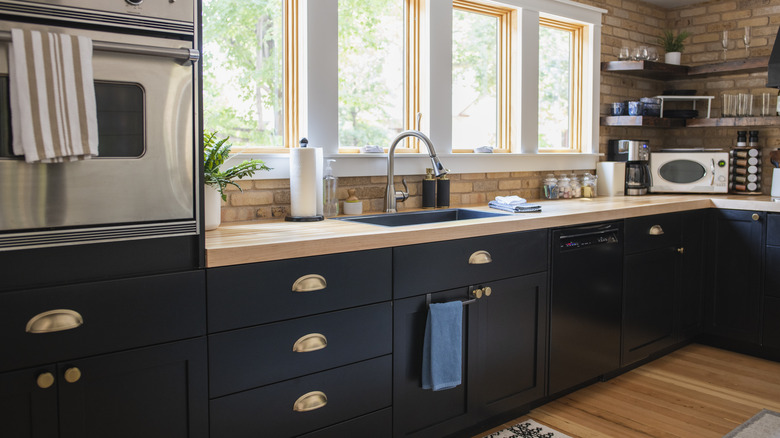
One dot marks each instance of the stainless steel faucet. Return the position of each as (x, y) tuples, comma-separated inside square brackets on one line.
[(391, 195)]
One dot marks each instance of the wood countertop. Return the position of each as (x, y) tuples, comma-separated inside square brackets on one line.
[(266, 240)]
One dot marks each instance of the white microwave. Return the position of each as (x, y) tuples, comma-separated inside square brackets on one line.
[(689, 172)]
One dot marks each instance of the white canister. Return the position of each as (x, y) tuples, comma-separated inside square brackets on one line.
[(611, 178), (776, 183)]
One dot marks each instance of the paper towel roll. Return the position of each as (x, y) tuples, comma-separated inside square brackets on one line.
[(775, 193), (611, 178), (305, 182)]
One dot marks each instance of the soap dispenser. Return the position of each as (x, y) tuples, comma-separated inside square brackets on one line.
[(429, 189), (329, 189)]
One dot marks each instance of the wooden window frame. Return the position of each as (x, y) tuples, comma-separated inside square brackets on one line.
[(507, 29), (577, 50)]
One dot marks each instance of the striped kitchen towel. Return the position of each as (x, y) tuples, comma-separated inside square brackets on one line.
[(53, 110)]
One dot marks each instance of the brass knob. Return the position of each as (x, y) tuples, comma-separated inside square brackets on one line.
[(72, 375), (755, 216), (488, 291), (478, 293), (45, 380), (681, 250)]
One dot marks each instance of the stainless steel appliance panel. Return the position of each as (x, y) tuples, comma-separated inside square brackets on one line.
[(157, 186)]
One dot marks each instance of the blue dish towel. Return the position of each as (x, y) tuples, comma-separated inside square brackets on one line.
[(442, 346)]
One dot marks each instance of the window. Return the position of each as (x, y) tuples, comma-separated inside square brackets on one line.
[(371, 72), (250, 67), (481, 75), (560, 85)]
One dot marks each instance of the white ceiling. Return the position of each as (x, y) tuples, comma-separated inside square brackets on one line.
[(670, 4)]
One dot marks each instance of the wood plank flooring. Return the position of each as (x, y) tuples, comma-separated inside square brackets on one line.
[(694, 392)]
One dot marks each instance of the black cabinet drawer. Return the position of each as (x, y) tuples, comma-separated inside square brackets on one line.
[(333, 396), (773, 229), (771, 322), (257, 356), (376, 425), (116, 315), (240, 296), (647, 233), (772, 278), (467, 261)]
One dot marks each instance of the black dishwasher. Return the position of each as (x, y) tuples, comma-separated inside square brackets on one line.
[(585, 306)]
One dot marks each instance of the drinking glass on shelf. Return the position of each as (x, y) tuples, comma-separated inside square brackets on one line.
[(724, 41), (725, 109), (745, 106), (640, 53), (746, 38), (625, 54), (766, 105), (652, 54)]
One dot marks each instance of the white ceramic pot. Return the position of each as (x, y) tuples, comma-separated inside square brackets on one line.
[(212, 204), (672, 58)]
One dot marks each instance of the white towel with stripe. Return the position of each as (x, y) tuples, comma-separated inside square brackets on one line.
[(53, 109)]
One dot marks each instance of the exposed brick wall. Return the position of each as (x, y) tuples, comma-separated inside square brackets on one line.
[(627, 23)]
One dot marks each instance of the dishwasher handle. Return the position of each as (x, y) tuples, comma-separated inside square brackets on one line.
[(577, 238)]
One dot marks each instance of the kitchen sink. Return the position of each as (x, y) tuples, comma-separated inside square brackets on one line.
[(420, 217)]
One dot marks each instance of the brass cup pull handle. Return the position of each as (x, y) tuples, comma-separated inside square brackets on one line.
[(54, 321), (310, 401), (72, 375), (45, 380), (309, 283), (480, 257), (310, 342), (656, 230)]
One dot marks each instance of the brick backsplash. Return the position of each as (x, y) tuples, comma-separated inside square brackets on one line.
[(263, 199), (626, 23)]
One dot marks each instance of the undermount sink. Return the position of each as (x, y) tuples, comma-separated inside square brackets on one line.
[(420, 217)]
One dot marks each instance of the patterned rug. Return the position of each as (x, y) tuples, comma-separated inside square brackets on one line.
[(528, 429), (765, 424)]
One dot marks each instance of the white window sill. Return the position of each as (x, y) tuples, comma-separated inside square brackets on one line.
[(415, 164)]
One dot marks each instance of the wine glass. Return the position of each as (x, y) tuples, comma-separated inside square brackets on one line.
[(724, 41), (746, 38)]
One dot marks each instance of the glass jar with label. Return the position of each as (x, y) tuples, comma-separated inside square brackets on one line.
[(576, 187), (550, 187), (589, 186), (564, 187)]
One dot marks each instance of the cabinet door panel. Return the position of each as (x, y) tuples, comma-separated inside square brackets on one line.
[(151, 392), (772, 322), (648, 303), (421, 412), (512, 332), (737, 297), (772, 276), (26, 410), (692, 274)]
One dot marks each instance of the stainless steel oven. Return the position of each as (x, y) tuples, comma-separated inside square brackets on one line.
[(144, 182)]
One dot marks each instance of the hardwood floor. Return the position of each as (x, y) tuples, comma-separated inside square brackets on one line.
[(694, 392)]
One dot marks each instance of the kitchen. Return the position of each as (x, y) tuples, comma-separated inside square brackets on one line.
[(216, 391)]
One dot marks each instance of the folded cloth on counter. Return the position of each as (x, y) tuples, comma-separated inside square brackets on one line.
[(52, 97), (442, 346), (515, 204)]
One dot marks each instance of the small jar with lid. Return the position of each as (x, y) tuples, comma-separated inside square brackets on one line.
[(576, 187), (589, 185), (564, 187), (550, 187)]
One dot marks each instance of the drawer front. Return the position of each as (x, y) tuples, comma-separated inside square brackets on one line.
[(115, 315), (773, 229), (376, 425), (245, 295), (772, 274), (257, 356), (652, 232), (350, 391), (431, 267)]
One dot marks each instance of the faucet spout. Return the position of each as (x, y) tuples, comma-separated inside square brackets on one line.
[(391, 195)]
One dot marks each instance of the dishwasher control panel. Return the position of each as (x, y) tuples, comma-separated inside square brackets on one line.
[(589, 239)]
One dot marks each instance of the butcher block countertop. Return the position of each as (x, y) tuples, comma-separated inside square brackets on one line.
[(265, 240)]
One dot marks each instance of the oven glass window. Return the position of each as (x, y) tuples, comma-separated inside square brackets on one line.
[(120, 113), (682, 171)]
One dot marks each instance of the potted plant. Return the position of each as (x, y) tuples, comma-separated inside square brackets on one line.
[(215, 153), (673, 45)]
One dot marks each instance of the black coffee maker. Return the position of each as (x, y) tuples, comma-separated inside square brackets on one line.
[(636, 154)]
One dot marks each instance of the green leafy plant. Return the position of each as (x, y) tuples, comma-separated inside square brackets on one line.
[(215, 153), (672, 43)]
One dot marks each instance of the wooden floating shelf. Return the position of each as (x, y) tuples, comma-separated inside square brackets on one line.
[(655, 122), (733, 122), (663, 71)]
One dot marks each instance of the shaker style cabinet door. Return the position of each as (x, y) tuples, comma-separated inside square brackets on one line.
[(158, 391), (28, 403)]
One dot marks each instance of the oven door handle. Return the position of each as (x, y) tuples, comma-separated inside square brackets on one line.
[(183, 54)]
